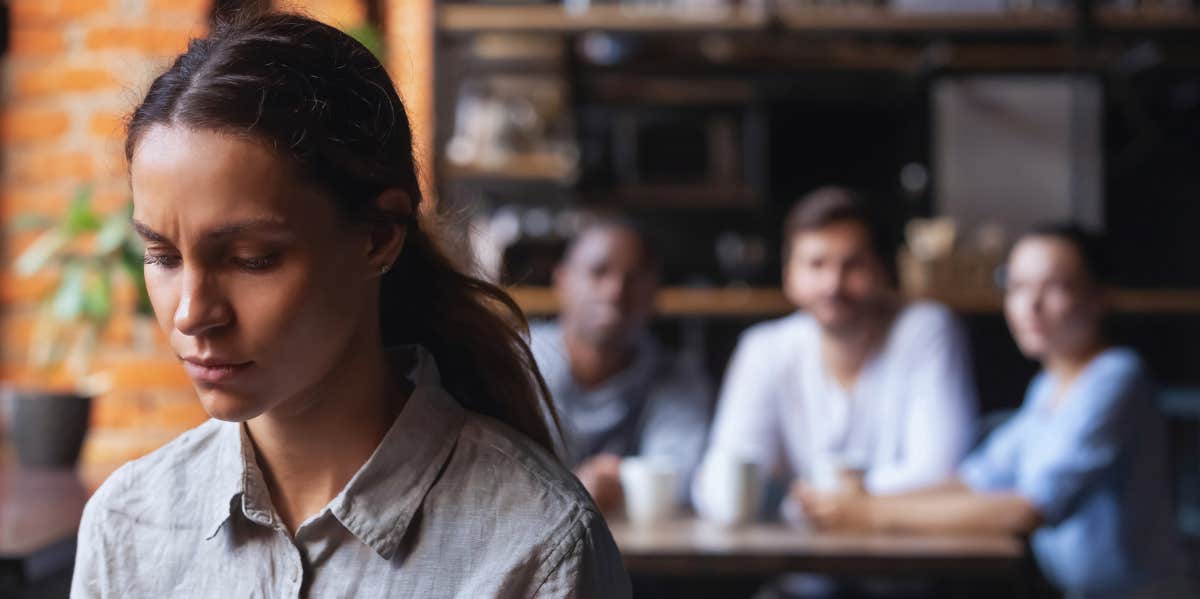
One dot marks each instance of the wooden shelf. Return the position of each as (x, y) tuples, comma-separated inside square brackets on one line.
[(883, 20), (1148, 20), (552, 18), (754, 302)]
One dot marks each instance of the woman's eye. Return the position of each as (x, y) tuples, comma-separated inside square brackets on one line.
[(160, 260), (255, 263)]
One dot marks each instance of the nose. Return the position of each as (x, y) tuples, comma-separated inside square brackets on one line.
[(202, 306)]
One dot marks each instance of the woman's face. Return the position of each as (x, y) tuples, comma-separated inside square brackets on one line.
[(1051, 303), (258, 282)]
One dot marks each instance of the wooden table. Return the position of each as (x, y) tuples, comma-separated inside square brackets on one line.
[(39, 518), (689, 547)]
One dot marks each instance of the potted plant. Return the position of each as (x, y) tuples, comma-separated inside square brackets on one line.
[(86, 254)]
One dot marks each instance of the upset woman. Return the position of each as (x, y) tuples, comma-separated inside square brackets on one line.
[(378, 426)]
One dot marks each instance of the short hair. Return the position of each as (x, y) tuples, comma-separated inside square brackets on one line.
[(829, 205), (600, 221), (1089, 245)]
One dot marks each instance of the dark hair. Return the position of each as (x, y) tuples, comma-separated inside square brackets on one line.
[(832, 204), (327, 106), (613, 221), (1089, 246)]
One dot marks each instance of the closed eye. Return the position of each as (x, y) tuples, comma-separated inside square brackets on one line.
[(257, 263), (160, 260)]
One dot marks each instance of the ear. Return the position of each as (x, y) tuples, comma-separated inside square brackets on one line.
[(390, 230)]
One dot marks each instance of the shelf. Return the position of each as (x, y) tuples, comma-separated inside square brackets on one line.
[(1148, 20), (762, 302), (883, 20), (552, 18)]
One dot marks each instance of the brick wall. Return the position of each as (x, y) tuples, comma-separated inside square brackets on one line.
[(75, 68)]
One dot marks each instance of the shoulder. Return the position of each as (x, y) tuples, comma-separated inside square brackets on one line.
[(771, 336), (516, 472), (924, 323), (544, 332), (159, 488), (1119, 370)]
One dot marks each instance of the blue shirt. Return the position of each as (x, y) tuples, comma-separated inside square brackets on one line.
[(1095, 468)]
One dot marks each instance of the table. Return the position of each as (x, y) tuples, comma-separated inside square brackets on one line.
[(39, 518), (690, 547)]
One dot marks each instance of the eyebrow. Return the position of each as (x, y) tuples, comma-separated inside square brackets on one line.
[(223, 231)]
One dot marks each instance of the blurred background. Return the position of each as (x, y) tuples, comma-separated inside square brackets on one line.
[(963, 121)]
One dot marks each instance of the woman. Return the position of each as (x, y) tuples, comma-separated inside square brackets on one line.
[(274, 187), (1081, 467)]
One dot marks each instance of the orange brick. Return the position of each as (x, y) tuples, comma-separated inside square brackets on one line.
[(50, 167), (178, 410), (36, 41), (196, 7), (33, 124), (107, 125), (24, 11), (14, 289), (148, 40), (64, 79), (25, 201), (154, 373)]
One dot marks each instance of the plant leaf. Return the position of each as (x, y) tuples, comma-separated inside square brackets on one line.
[(30, 221), (113, 232), (97, 296), (40, 252), (80, 217), (68, 300)]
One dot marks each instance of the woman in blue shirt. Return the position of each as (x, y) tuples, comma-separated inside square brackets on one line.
[(1081, 468)]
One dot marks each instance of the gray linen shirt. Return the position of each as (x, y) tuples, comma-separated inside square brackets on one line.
[(451, 504)]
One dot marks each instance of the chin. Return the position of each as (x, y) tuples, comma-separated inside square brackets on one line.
[(228, 406)]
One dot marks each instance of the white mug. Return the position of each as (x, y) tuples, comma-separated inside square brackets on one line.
[(651, 487), (733, 484)]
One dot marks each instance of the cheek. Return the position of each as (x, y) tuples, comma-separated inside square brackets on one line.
[(163, 291), (306, 307)]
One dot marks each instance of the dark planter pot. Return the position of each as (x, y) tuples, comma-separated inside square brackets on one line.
[(48, 429)]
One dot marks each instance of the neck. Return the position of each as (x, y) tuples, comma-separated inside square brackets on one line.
[(592, 364), (310, 447), (1065, 366), (846, 352)]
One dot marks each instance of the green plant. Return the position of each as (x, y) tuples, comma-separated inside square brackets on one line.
[(86, 252)]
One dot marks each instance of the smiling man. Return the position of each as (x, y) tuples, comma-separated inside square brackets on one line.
[(856, 391), (617, 391)]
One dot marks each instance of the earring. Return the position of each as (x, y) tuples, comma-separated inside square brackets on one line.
[(384, 269)]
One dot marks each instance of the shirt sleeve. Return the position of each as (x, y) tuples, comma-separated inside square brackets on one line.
[(1090, 433), (676, 425), (993, 467), (746, 423), (939, 414), (590, 568)]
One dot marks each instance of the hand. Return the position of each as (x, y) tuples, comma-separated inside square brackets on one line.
[(833, 511), (601, 476)]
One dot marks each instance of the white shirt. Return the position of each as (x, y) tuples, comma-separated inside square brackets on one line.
[(908, 420)]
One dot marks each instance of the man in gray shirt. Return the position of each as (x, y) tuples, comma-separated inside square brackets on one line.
[(618, 392)]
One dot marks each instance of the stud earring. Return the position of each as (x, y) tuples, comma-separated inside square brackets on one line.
[(384, 269)]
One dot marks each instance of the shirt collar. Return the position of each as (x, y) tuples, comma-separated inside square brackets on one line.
[(379, 502)]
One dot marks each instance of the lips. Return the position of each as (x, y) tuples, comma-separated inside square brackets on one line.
[(214, 371)]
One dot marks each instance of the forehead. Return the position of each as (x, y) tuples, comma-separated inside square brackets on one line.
[(845, 236), (1044, 257), (186, 177), (600, 244)]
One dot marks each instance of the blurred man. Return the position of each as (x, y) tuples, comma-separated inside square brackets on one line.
[(858, 393), (618, 393)]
